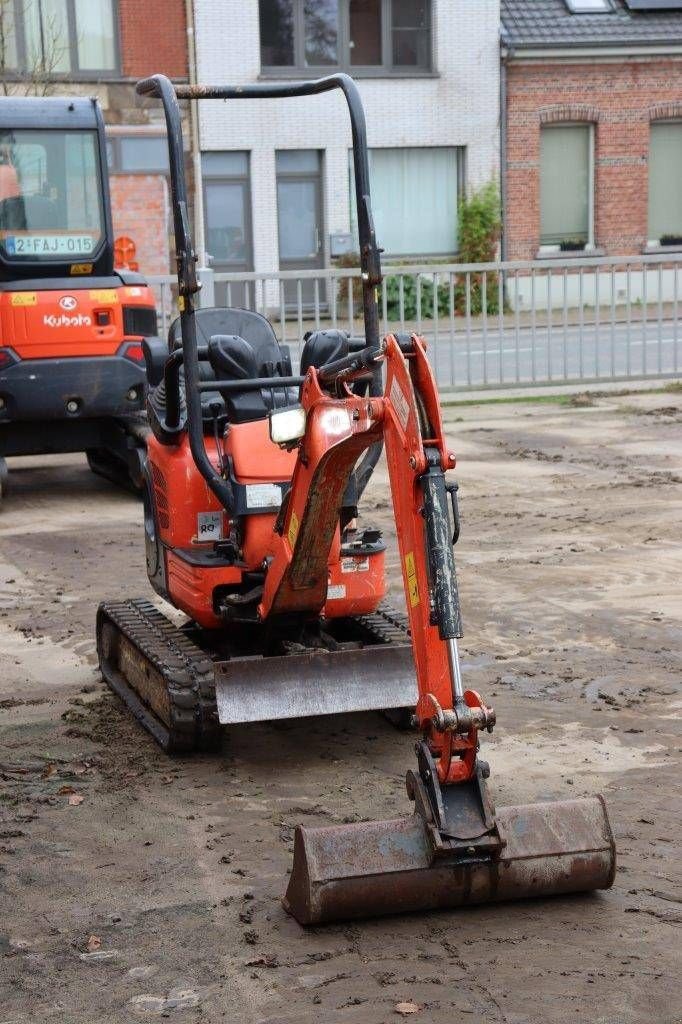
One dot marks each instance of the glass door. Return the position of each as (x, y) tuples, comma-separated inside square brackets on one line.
[(227, 216), (300, 221)]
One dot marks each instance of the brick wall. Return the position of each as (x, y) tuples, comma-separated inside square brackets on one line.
[(621, 99), (153, 37), (139, 206)]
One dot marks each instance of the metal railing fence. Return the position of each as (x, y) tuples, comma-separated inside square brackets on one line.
[(494, 324)]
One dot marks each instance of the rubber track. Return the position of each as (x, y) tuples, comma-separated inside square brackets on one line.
[(187, 670)]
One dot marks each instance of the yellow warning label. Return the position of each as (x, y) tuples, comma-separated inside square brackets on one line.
[(181, 303), (107, 295), (81, 268), (292, 533), (412, 585), (24, 299)]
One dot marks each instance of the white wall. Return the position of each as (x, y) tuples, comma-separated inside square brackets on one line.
[(459, 107)]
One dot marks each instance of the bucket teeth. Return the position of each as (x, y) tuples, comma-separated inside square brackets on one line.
[(389, 867)]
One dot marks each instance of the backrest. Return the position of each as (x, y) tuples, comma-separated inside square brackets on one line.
[(241, 344), (244, 323)]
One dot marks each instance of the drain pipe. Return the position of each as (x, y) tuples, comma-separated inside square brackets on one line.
[(506, 52), (193, 110)]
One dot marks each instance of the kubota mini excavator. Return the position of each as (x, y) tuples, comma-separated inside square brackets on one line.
[(72, 372), (253, 479)]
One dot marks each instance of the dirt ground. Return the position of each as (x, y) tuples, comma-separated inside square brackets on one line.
[(135, 887)]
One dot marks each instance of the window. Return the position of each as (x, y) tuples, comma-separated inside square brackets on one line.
[(227, 209), (51, 202), (665, 182), (137, 154), (415, 195), (58, 37), (566, 186), (367, 36), (589, 6)]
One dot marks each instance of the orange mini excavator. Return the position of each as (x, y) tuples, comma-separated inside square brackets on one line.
[(253, 480)]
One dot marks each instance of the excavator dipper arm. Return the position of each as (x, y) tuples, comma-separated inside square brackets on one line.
[(456, 848), (338, 429)]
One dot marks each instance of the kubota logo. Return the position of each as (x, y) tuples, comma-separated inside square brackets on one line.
[(68, 302), (67, 321)]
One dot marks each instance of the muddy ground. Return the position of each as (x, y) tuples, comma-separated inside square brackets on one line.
[(135, 887)]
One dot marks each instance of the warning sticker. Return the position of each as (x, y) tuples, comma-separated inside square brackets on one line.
[(400, 403), (355, 565), (292, 532), (263, 496), (107, 295), (412, 584), (209, 526), (336, 592), (24, 299)]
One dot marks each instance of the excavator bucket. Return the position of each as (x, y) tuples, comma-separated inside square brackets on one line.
[(390, 867)]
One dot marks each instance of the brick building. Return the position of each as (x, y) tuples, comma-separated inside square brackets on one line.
[(593, 127), (102, 47), (276, 173)]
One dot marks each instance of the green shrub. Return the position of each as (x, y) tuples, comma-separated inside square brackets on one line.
[(480, 224), (414, 297)]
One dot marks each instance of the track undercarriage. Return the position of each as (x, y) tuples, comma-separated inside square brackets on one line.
[(166, 675)]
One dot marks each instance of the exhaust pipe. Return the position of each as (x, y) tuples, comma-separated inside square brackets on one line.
[(390, 867)]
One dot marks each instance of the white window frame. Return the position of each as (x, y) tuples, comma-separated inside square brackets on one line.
[(385, 69), (589, 6), (655, 243), (590, 246), (75, 72), (461, 163)]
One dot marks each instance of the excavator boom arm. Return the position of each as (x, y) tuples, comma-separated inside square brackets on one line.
[(338, 429), (456, 848)]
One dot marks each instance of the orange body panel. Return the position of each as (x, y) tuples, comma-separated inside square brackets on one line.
[(60, 323), (355, 584), (257, 462), (192, 588), (181, 493)]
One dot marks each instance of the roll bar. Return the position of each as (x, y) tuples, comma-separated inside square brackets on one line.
[(161, 87)]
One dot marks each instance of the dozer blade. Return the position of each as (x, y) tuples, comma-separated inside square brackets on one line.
[(388, 867), (315, 683)]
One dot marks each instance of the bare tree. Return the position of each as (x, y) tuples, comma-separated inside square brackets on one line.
[(31, 74)]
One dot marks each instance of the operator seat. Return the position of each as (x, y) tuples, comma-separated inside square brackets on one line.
[(241, 345)]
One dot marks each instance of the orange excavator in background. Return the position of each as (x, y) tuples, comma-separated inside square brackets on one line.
[(253, 482), (72, 375)]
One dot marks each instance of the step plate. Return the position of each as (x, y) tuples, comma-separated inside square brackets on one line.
[(372, 678)]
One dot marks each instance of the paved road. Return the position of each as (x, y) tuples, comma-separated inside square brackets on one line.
[(509, 356), (527, 355)]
